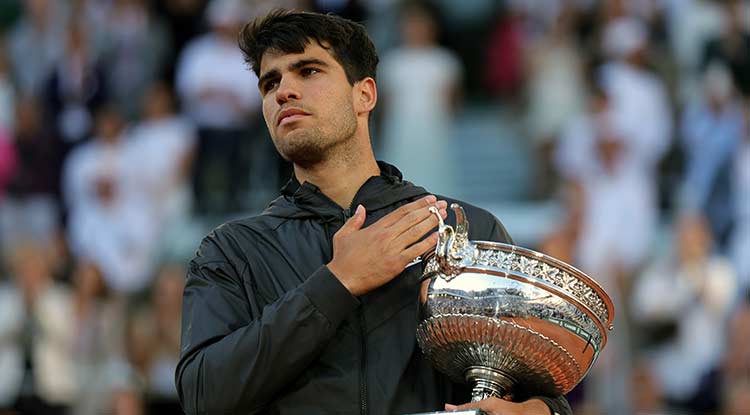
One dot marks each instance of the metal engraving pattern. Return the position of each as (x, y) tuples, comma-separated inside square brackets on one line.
[(533, 268), (508, 299), (458, 341)]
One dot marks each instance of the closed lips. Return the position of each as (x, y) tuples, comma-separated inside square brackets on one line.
[(290, 113)]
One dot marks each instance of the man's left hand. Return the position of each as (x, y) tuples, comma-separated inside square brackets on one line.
[(495, 406)]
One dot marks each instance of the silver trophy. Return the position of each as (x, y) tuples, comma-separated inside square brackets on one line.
[(502, 317)]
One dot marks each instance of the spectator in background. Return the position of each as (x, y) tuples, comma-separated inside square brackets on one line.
[(112, 224), (37, 43), (99, 348), (7, 163), (712, 128), (214, 88), (136, 52), (555, 90), (31, 209), (163, 146), (38, 330), (739, 245), (7, 112), (616, 155), (685, 299), (154, 340), (7, 90), (732, 46), (736, 365), (503, 72), (420, 83), (76, 87), (618, 210), (184, 20)]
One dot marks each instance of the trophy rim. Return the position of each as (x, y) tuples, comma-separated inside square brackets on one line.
[(500, 246), (605, 326)]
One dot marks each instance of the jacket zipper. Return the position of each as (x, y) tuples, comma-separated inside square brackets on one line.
[(363, 368), (346, 215)]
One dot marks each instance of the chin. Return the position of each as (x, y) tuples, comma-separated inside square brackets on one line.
[(301, 150)]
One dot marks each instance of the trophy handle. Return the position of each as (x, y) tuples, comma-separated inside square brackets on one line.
[(453, 250)]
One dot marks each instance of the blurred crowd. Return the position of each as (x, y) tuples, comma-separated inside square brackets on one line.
[(125, 123)]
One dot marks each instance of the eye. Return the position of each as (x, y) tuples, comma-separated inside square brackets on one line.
[(309, 71), (269, 85)]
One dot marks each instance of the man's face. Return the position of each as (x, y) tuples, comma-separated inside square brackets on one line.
[(307, 104)]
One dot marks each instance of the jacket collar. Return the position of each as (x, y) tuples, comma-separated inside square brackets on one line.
[(306, 199)]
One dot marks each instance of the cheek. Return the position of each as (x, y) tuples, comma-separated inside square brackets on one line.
[(268, 115)]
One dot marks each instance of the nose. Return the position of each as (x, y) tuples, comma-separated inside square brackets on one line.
[(287, 90)]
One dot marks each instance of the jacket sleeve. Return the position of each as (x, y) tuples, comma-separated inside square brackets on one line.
[(234, 360)]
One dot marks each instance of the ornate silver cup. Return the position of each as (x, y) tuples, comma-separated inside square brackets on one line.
[(501, 317)]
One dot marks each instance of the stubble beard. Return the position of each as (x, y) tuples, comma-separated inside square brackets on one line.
[(307, 147)]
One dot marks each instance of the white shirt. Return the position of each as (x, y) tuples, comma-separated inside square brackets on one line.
[(213, 64), (118, 236)]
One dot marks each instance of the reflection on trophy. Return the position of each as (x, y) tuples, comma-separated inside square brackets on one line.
[(502, 317)]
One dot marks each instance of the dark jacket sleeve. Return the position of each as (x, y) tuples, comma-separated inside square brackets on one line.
[(557, 405), (234, 360)]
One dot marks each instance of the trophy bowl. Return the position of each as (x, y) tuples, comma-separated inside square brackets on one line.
[(503, 317)]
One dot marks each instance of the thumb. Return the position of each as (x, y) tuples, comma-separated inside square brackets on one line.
[(355, 222)]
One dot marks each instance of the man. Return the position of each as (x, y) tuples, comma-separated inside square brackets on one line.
[(311, 307)]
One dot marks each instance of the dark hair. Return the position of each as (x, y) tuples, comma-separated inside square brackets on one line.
[(290, 32)]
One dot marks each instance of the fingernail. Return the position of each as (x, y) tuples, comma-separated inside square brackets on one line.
[(359, 210), (430, 199)]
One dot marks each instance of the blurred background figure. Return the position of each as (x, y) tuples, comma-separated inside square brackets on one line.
[(712, 130), (739, 244), (420, 87), (163, 145), (131, 128), (37, 326), (137, 51), (37, 42), (153, 340), (221, 97), (111, 224), (685, 332), (76, 86), (31, 209), (555, 91)]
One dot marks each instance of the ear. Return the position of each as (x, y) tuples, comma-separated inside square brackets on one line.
[(365, 95)]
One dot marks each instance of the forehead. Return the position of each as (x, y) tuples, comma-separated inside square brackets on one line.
[(274, 59)]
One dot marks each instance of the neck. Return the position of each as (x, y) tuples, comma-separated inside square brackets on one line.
[(340, 177)]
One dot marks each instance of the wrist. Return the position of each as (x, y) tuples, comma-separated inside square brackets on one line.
[(340, 274)]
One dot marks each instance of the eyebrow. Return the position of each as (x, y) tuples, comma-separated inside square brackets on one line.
[(292, 67)]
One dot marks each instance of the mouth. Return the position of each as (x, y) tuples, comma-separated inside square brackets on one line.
[(290, 114)]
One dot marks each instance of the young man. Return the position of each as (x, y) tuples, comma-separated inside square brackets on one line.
[(311, 307)]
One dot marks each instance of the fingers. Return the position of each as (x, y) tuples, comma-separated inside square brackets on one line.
[(420, 248), (416, 217), (415, 232), (355, 222), (404, 210)]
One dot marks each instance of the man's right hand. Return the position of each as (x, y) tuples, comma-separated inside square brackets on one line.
[(365, 259)]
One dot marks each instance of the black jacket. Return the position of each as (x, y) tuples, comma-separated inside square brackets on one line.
[(267, 329)]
